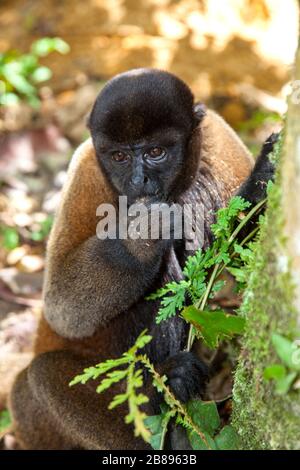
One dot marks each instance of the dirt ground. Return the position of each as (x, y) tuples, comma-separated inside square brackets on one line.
[(215, 46)]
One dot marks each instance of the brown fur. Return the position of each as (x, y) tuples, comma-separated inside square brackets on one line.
[(46, 413)]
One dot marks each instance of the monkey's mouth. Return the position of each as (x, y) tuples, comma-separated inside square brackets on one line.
[(143, 192)]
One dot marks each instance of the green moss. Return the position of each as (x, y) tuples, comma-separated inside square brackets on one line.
[(263, 419)]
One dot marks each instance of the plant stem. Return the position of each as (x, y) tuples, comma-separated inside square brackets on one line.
[(245, 220), (201, 304), (249, 236)]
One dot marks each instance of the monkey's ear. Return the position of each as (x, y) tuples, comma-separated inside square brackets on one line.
[(199, 112)]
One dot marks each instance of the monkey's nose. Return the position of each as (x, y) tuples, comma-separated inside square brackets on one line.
[(138, 181)]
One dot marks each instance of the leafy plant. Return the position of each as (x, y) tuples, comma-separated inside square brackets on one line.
[(259, 118), (201, 282), (284, 374), (9, 236), (200, 419), (20, 74), (5, 420), (215, 325), (134, 379), (44, 229), (201, 277)]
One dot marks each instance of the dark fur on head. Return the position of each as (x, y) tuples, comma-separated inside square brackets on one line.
[(138, 110), (136, 103)]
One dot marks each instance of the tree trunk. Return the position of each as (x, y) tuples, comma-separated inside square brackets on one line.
[(271, 304)]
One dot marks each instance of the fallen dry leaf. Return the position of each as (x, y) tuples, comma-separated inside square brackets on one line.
[(14, 256), (31, 263)]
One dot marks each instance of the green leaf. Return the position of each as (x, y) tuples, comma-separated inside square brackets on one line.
[(118, 400), (10, 238), (157, 384), (195, 264), (137, 378), (153, 423), (13, 73), (142, 340), (198, 286), (141, 399), (95, 371), (227, 439), (158, 425), (270, 184), (134, 380), (279, 373), (171, 287), (138, 418), (61, 46), (204, 414), (28, 63), (33, 101), (41, 74), (44, 230), (214, 326), (239, 274), (226, 216), (88, 374), (172, 303), (197, 442), (274, 371), (223, 256), (218, 285), (5, 420), (44, 46), (246, 254), (9, 99), (284, 384), (287, 351), (112, 377)]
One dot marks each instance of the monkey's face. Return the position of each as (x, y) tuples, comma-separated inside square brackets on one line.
[(147, 168), (141, 124)]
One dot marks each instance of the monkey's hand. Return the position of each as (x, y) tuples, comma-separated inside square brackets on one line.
[(187, 375), (255, 187), (152, 226)]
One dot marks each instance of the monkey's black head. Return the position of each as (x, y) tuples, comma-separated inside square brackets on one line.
[(141, 124)]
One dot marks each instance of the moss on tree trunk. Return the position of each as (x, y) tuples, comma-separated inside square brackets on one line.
[(271, 304)]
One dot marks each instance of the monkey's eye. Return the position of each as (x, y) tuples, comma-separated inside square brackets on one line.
[(120, 157), (156, 152)]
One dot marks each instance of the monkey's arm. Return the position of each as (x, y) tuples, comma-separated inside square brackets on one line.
[(89, 281), (255, 187), (96, 282)]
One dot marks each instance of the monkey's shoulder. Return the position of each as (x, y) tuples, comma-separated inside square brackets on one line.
[(223, 153)]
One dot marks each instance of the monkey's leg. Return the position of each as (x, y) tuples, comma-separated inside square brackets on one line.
[(34, 427), (48, 414)]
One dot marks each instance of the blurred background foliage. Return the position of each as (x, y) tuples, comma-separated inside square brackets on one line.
[(20, 74), (56, 55)]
